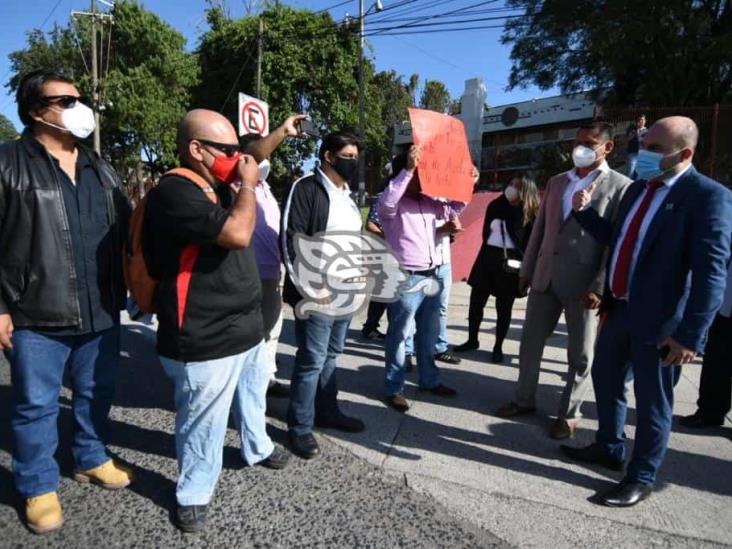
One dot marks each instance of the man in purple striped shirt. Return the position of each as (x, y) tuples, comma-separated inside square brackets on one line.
[(410, 221)]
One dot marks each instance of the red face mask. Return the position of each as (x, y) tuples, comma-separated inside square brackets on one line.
[(224, 168)]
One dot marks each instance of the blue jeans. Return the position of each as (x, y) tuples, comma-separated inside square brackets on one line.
[(444, 275), (37, 364), (618, 358), (204, 392), (314, 388), (631, 163), (410, 310)]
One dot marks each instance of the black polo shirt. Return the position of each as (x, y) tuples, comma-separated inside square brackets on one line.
[(87, 212), (208, 297)]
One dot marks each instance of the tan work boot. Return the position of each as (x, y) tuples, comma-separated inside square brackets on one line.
[(563, 428), (108, 475), (43, 513)]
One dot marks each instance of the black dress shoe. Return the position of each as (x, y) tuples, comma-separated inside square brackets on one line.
[(341, 422), (441, 390), (699, 421), (469, 345), (497, 356), (277, 459), (626, 494), (305, 445), (594, 453), (277, 390), (191, 518), (448, 357), (398, 402), (409, 362)]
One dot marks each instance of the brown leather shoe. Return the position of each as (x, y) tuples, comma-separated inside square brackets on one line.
[(563, 428), (398, 402), (512, 410)]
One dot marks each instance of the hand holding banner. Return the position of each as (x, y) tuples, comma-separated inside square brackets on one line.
[(445, 168)]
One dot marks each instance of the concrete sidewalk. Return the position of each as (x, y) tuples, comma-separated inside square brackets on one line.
[(507, 476)]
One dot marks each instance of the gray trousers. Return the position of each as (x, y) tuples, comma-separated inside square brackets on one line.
[(542, 314), (272, 316)]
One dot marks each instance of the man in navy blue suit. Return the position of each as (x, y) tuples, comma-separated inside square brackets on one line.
[(669, 250)]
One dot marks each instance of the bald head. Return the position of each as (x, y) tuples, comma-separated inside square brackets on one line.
[(204, 124), (679, 131)]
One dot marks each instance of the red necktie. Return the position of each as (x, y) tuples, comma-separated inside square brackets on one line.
[(625, 256)]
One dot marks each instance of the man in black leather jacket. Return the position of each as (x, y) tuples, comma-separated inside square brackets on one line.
[(62, 222)]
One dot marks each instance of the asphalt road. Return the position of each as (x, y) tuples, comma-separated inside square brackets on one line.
[(338, 500)]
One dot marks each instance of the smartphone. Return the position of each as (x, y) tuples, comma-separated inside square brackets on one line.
[(308, 127)]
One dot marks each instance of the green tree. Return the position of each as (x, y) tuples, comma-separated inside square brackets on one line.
[(675, 52), (309, 64), (7, 129), (435, 96), (145, 91)]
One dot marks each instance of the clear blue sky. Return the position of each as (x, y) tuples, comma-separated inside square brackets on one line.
[(450, 57)]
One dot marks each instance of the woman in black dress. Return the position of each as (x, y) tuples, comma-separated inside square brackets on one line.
[(506, 230)]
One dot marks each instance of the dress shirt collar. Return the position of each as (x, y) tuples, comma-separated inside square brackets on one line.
[(602, 169), (669, 181)]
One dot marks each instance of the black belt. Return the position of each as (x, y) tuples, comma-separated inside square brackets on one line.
[(426, 272)]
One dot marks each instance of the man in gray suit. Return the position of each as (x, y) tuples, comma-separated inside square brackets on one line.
[(565, 267)]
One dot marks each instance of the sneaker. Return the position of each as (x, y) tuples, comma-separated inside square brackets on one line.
[(398, 402), (43, 513), (109, 475), (448, 357), (441, 390), (277, 459), (409, 363), (373, 335), (191, 518)]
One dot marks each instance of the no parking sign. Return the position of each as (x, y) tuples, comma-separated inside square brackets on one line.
[(253, 115)]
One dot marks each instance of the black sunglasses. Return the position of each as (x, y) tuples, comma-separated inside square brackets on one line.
[(65, 101), (228, 150)]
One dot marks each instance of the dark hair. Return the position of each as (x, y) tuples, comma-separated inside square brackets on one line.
[(334, 142), (398, 163), (605, 129), (247, 139), (29, 91)]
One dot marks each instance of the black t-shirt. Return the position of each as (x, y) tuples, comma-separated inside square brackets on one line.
[(214, 311)]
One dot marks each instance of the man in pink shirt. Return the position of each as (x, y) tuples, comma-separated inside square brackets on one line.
[(410, 221)]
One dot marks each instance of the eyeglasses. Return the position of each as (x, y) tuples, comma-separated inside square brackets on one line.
[(227, 149), (65, 101)]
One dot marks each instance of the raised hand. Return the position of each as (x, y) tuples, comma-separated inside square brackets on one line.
[(582, 198)]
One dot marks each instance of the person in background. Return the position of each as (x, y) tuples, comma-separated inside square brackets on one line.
[(634, 136), (507, 226), (410, 222), (666, 278), (376, 309), (565, 266), (319, 203), (715, 386), (266, 243), (63, 220)]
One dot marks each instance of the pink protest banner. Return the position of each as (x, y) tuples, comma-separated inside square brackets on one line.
[(445, 169)]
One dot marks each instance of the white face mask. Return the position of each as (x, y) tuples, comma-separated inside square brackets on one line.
[(264, 168), (511, 193), (583, 156), (77, 120)]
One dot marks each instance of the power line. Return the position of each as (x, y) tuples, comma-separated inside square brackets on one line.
[(435, 31), (461, 21), (338, 5), (236, 81), (439, 15)]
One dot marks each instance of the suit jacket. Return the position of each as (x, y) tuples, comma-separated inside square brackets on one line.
[(561, 253), (681, 272)]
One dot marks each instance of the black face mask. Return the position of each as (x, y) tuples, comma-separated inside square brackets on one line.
[(347, 168)]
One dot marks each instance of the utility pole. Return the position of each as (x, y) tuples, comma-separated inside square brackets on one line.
[(361, 108), (260, 36), (95, 78)]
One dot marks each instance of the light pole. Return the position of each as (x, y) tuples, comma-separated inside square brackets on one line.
[(362, 98)]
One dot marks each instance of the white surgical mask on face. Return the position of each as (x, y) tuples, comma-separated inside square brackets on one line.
[(583, 156), (77, 120), (264, 168), (511, 193)]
